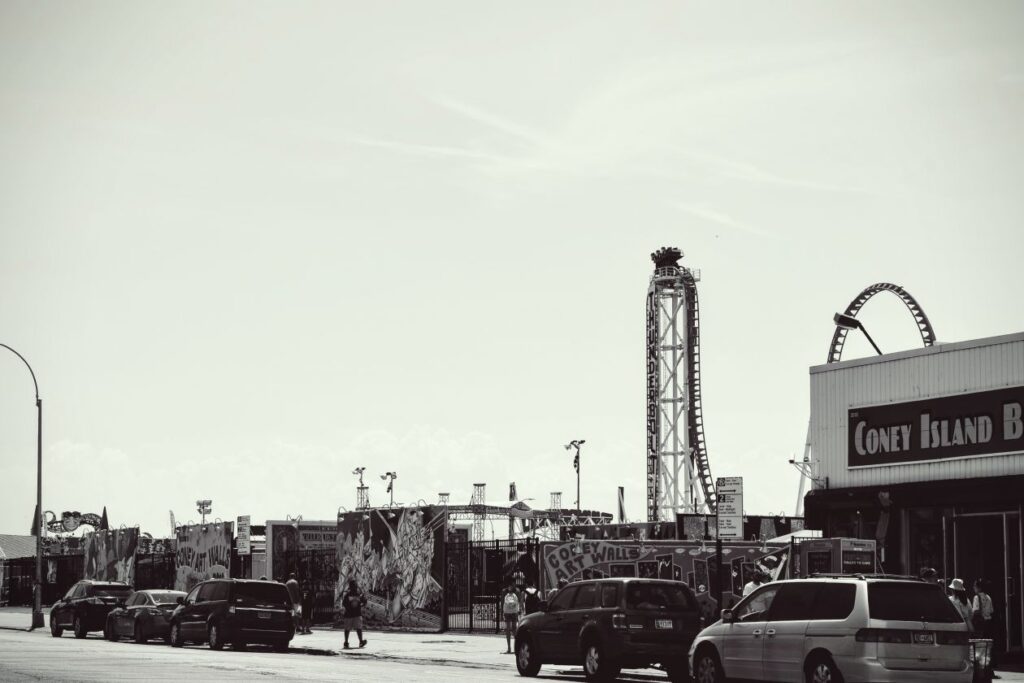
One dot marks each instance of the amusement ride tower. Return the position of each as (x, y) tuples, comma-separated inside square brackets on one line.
[(678, 472)]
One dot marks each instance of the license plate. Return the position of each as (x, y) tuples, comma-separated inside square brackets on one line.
[(263, 615), (924, 638), (663, 623)]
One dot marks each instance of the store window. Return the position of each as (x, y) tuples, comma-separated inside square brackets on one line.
[(924, 539)]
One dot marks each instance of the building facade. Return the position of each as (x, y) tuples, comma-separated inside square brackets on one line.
[(923, 451)]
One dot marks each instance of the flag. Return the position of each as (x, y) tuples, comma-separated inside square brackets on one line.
[(576, 461), (391, 482), (35, 523), (104, 524), (512, 492), (622, 504)]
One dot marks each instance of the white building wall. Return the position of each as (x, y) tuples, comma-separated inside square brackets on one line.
[(943, 370)]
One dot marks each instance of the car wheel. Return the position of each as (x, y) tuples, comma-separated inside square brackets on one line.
[(138, 634), (596, 664), (821, 669), (707, 668), (175, 637), (216, 641), (527, 661), (55, 630), (79, 628)]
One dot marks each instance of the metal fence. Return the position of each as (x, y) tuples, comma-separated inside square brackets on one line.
[(475, 575), (320, 567)]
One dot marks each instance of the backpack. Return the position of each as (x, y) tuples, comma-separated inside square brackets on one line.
[(511, 603), (532, 601)]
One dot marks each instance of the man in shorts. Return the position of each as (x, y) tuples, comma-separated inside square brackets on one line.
[(511, 606), (292, 584), (352, 602)]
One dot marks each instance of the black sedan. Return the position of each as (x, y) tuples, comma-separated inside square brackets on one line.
[(144, 616)]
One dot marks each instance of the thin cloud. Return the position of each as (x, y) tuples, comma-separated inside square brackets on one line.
[(714, 216), (491, 120), (738, 170)]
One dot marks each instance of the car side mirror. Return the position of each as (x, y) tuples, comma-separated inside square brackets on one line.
[(180, 600), (727, 616)]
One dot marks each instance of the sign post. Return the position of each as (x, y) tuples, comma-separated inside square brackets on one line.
[(728, 520), (242, 537)]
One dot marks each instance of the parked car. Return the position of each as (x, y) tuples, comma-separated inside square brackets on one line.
[(144, 616), (85, 606), (236, 611), (611, 624), (854, 628)]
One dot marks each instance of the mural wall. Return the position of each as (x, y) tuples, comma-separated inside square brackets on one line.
[(204, 552), (397, 558), (694, 563), (110, 554)]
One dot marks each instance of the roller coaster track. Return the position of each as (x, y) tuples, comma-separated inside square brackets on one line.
[(695, 417), (923, 325)]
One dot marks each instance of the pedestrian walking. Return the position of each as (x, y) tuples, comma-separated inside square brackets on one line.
[(958, 596), (511, 605), (352, 602), (307, 606), (292, 584)]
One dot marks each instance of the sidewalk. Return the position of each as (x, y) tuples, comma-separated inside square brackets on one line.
[(463, 649)]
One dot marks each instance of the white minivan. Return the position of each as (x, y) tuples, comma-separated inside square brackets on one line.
[(837, 629)]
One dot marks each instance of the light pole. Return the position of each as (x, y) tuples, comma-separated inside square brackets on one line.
[(576, 443), (390, 477), (37, 605), (204, 507), (848, 322)]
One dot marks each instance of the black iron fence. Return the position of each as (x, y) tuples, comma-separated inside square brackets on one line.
[(320, 567), (476, 573)]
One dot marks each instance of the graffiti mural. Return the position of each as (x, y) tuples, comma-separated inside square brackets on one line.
[(694, 563), (204, 552), (397, 557), (110, 555)]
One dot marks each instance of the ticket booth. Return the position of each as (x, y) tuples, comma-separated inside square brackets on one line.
[(836, 556)]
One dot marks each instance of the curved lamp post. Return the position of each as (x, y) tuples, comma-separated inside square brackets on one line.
[(37, 604)]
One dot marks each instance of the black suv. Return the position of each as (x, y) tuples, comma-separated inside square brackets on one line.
[(85, 606), (234, 611), (611, 624)]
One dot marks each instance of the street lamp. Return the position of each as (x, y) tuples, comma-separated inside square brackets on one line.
[(576, 443), (204, 507), (848, 322), (390, 477), (37, 605)]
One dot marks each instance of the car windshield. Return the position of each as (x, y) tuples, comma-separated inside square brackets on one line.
[(111, 591), (167, 598), (261, 594), (657, 597), (905, 601)]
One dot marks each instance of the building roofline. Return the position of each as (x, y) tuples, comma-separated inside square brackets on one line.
[(939, 347)]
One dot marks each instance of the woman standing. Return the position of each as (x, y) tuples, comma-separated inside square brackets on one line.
[(958, 596)]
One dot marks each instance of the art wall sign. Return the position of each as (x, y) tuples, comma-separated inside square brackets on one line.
[(966, 425)]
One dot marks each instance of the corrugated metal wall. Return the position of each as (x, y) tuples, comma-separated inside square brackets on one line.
[(943, 370)]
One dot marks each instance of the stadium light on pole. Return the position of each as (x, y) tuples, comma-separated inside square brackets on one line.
[(576, 443)]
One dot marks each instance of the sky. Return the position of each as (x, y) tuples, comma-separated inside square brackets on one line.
[(248, 247)]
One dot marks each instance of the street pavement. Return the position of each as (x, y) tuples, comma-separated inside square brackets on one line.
[(388, 656)]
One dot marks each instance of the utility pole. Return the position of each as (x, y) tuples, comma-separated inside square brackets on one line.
[(576, 443)]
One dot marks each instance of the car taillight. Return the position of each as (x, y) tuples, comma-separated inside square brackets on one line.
[(883, 635), (952, 638), (619, 621)]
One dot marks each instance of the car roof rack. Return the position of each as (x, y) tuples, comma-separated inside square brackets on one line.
[(862, 576)]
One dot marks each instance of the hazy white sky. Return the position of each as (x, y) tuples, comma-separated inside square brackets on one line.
[(249, 247)]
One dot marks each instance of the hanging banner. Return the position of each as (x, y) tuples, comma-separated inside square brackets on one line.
[(110, 555), (204, 552)]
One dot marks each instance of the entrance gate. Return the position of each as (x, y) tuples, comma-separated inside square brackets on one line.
[(988, 545), (475, 575)]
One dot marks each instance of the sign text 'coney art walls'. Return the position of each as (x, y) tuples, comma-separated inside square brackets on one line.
[(204, 552), (966, 425)]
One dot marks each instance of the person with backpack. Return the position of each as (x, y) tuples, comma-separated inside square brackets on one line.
[(352, 612), (510, 608), (531, 598)]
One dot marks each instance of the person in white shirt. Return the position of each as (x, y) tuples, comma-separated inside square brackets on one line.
[(755, 582)]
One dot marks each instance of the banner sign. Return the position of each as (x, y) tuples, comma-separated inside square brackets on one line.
[(204, 552), (965, 425), (694, 563), (110, 555), (242, 539)]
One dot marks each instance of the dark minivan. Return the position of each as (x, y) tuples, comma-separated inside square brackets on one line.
[(235, 611), (611, 624)]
